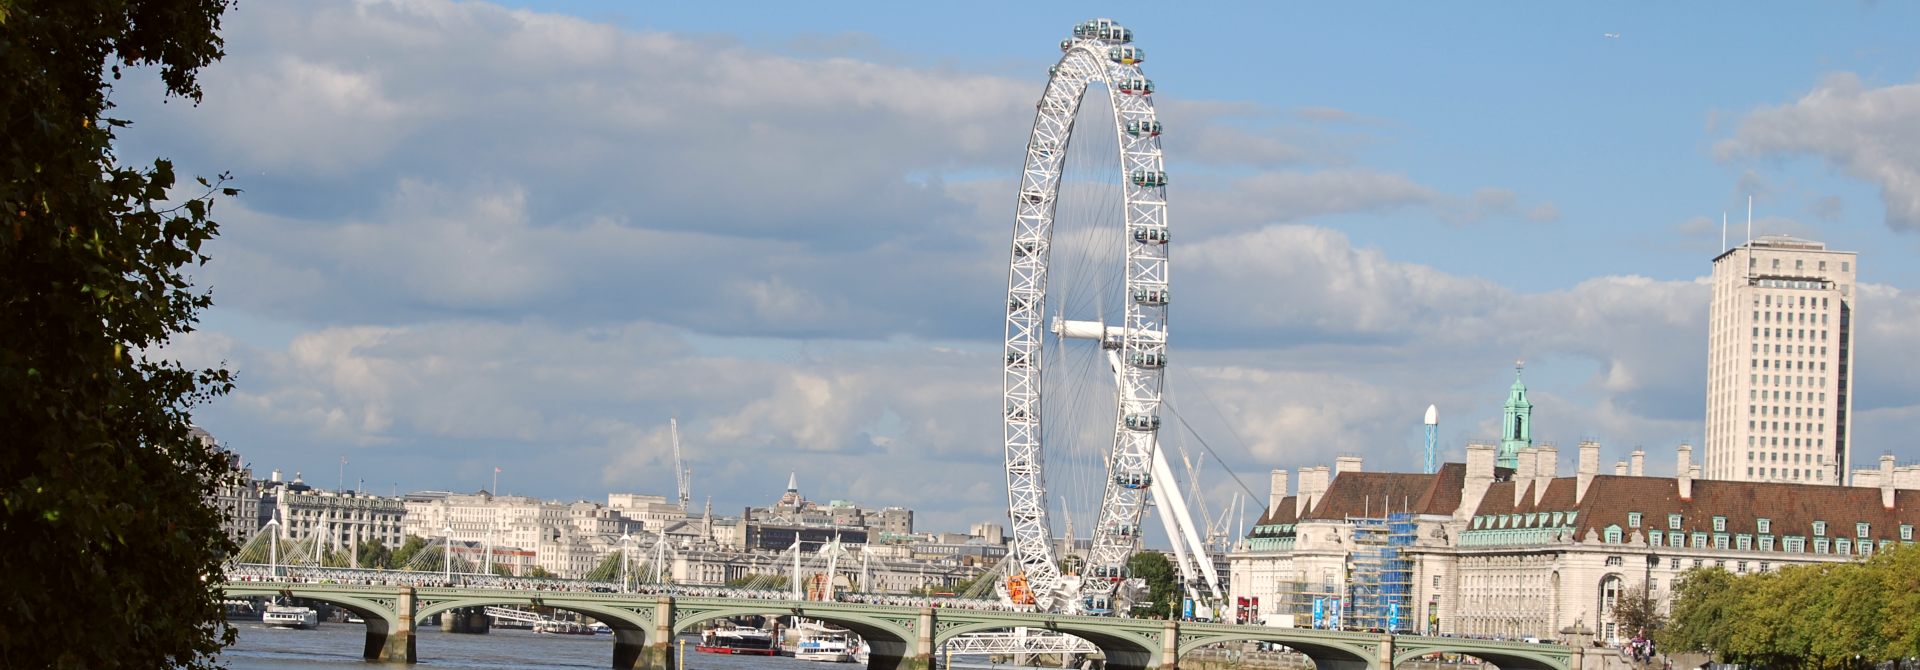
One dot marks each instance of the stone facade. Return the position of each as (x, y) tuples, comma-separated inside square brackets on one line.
[(1527, 553)]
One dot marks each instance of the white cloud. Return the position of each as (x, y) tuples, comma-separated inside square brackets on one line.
[(1867, 132)]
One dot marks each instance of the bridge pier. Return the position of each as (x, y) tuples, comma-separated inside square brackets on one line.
[(634, 651), (1386, 652), (920, 656), (391, 640), (466, 620), (1170, 646)]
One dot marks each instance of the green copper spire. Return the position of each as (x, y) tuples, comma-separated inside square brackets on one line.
[(1516, 431)]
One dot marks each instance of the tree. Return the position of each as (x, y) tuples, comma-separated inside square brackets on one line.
[(1705, 606), (538, 572), (1163, 585), (374, 554), (501, 570), (409, 549), (1637, 613), (101, 488)]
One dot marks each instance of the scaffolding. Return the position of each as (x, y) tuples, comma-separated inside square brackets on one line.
[(1381, 585)]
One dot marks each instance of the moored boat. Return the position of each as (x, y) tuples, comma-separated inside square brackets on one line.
[(737, 641)]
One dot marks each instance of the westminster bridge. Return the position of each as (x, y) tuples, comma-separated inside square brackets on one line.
[(900, 637)]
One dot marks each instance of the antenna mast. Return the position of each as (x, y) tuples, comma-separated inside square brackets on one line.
[(682, 476)]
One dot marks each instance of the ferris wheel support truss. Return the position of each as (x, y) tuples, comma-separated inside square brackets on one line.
[(1136, 348)]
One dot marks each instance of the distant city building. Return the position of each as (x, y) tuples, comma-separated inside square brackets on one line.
[(793, 517), (342, 520), (567, 539), (1779, 361), (235, 496)]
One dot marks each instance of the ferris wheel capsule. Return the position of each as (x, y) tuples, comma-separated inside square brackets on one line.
[(1137, 86), (1127, 55), (1137, 128)]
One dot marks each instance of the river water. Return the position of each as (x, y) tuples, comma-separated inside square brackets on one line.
[(335, 646)]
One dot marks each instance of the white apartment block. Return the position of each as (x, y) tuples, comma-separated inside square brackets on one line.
[(1779, 363), (567, 539)]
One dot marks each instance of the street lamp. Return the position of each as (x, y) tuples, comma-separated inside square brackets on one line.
[(446, 553), (625, 556)]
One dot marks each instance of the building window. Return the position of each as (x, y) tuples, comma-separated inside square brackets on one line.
[(1673, 564), (1613, 535), (1766, 543), (1743, 542), (1819, 529), (1821, 546), (1765, 525), (1653, 538), (1860, 530), (1673, 522), (1633, 519), (1741, 566), (1843, 546), (1677, 540), (1719, 524), (1906, 531), (1719, 540), (1699, 540), (1614, 561)]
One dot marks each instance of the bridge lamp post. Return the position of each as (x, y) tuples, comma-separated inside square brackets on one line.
[(446, 553), (625, 539)]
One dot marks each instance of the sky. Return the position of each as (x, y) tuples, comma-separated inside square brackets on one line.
[(524, 236)]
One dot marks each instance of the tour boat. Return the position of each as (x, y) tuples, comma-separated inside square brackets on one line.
[(826, 646), (288, 616), (556, 627), (737, 641)]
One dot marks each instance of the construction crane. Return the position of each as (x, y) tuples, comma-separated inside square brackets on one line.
[(682, 475)]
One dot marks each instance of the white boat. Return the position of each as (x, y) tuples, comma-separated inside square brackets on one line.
[(826, 646), (289, 616)]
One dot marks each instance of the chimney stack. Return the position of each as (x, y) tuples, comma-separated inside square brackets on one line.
[(1546, 467), (1313, 484), (1886, 481), (1523, 473), (1480, 459), (1619, 468), (1276, 492), (1638, 463), (1345, 464), (1685, 460), (1589, 467), (1685, 477)]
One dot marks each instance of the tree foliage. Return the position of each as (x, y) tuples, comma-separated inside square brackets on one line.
[(1163, 584), (111, 556), (1637, 612), (1814, 617)]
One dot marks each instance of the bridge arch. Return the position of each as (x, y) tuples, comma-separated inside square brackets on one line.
[(387, 637), (629, 626), (1123, 652), (1505, 660), (1327, 652)]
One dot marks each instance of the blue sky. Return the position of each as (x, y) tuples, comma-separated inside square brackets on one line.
[(523, 236)]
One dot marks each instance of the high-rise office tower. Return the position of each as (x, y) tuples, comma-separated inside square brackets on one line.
[(1779, 362)]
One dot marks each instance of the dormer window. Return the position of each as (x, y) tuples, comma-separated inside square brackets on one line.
[(1765, 525), (1719, 524), (1906, 532), (1860, 530), (1819, 529), (1633, 519)]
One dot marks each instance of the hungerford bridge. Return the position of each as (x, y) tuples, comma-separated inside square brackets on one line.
[(900, 636)]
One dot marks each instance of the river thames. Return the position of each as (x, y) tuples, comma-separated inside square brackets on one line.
[(337, 645)]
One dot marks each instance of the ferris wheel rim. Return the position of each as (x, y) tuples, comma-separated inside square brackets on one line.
[(1106, 57)]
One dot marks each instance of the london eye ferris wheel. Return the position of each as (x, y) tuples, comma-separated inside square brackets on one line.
[(1087, 302)]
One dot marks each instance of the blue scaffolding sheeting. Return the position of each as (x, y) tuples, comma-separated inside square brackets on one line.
[(1381, 585)]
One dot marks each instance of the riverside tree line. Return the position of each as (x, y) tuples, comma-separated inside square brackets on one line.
[(1832, 616)]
